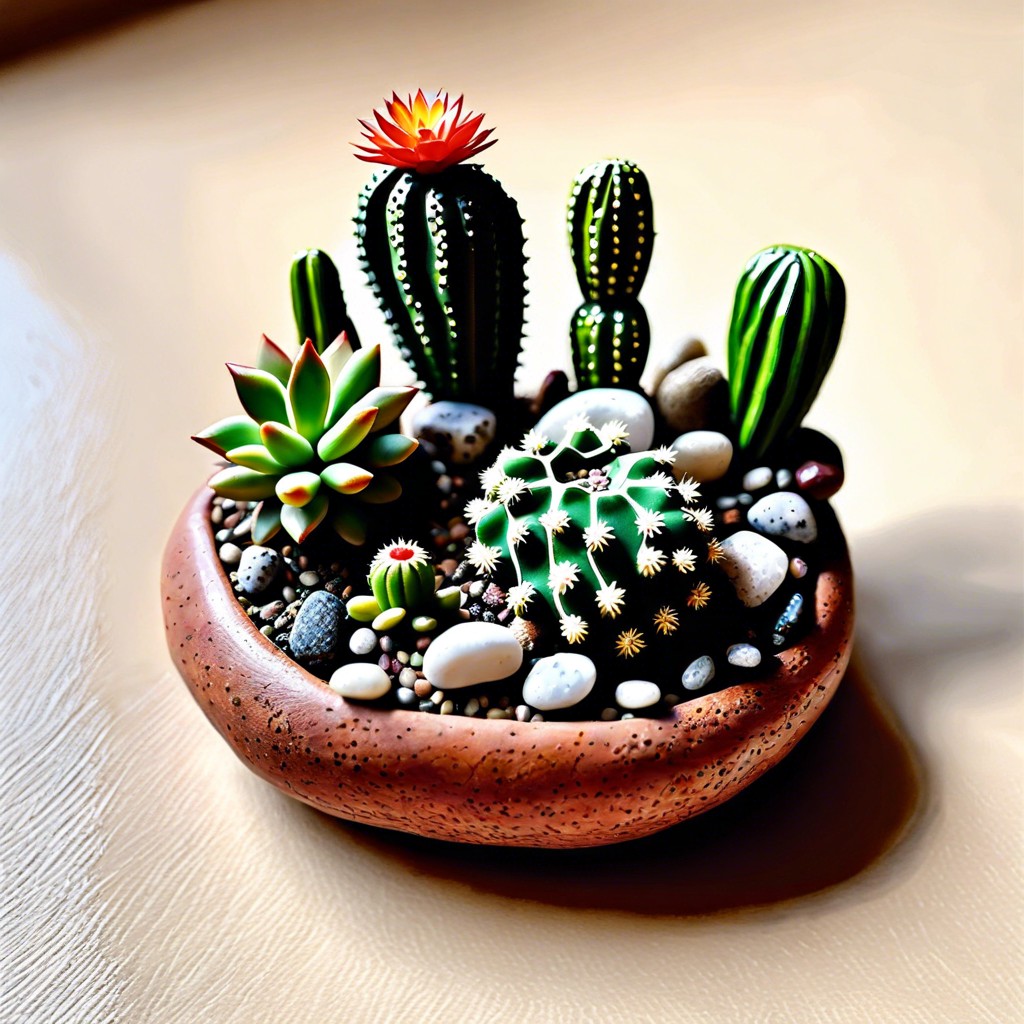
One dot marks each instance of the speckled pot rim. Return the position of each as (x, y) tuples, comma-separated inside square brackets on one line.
[(502, 782)]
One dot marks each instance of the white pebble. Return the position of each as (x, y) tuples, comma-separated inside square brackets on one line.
[(230, 554), (756, 566), (363, 641), (637, 693), (360, 680), (703, 454), (601, 406), (755, 479), (743, 656), (559, 681), (783, 478), (470, 653)]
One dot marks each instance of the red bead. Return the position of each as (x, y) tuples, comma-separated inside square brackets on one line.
[(819, 479)]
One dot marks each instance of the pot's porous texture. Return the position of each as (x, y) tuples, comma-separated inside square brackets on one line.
[(550, 784)]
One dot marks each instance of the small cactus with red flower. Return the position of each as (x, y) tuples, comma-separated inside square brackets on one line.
[(442, 245)]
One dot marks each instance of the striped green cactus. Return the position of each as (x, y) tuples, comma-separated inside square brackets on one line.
[(611, 237), (609, 343), (444, 254), (785, 328), (317, 300)]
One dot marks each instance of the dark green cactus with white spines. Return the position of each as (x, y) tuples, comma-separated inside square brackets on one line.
[(611, 238), (444, 254), (786, 321), (583, 528), (318, 302)]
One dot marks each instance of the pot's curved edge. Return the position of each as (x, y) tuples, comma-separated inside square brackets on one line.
[(556, 784)]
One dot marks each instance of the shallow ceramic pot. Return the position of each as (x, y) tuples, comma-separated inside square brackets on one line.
[(551, 784)]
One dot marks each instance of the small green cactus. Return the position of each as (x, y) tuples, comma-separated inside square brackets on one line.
[(401, 576), (318, 302), (311, 447), (786, 322), (578, 527), (442, 245), (611, 237)]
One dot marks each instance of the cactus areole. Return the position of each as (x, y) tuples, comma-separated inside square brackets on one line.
[(554, 621)]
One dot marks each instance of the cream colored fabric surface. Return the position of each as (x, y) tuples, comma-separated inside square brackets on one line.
[(153, 185)]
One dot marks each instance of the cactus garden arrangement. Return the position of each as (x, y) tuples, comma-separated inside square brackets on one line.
[(603, 554)]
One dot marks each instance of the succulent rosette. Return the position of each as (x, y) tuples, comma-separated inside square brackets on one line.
[(313, 446)]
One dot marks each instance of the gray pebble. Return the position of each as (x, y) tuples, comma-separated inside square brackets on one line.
[(699, 673), (317, 627), (743, 656), (783, 479), (309, 579), (243, 528), (407, 677), (222, 535), (405, 695), (288, 594)]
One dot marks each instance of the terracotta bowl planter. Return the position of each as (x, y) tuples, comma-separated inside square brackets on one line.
[(552, 784)]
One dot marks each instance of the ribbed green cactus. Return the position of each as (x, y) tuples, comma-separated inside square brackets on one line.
[(611, 237), (317, 300), (444, 254), (786, 322), (578, 528), (401, 576), (311, 447)]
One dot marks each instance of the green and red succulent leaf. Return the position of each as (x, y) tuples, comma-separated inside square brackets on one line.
[(232, 432), (262, 395), (309, 392), (273, 359), (287, 446)]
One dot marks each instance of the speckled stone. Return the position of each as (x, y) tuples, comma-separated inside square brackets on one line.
[(256, 569), (756, 566), (784, 514), (743, 656), (360, 680), (315, 633), (459, 431), (634, 694), (559, 681), (470, 653), (601, 406), (699, 673)]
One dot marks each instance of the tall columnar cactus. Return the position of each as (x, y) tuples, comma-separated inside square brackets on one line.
[(311, 447), (317, 300), (588, 532), (611, 237), (786, 322), (442, 244)]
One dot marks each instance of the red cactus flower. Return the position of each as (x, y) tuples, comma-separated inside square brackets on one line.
[(423, 133)]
